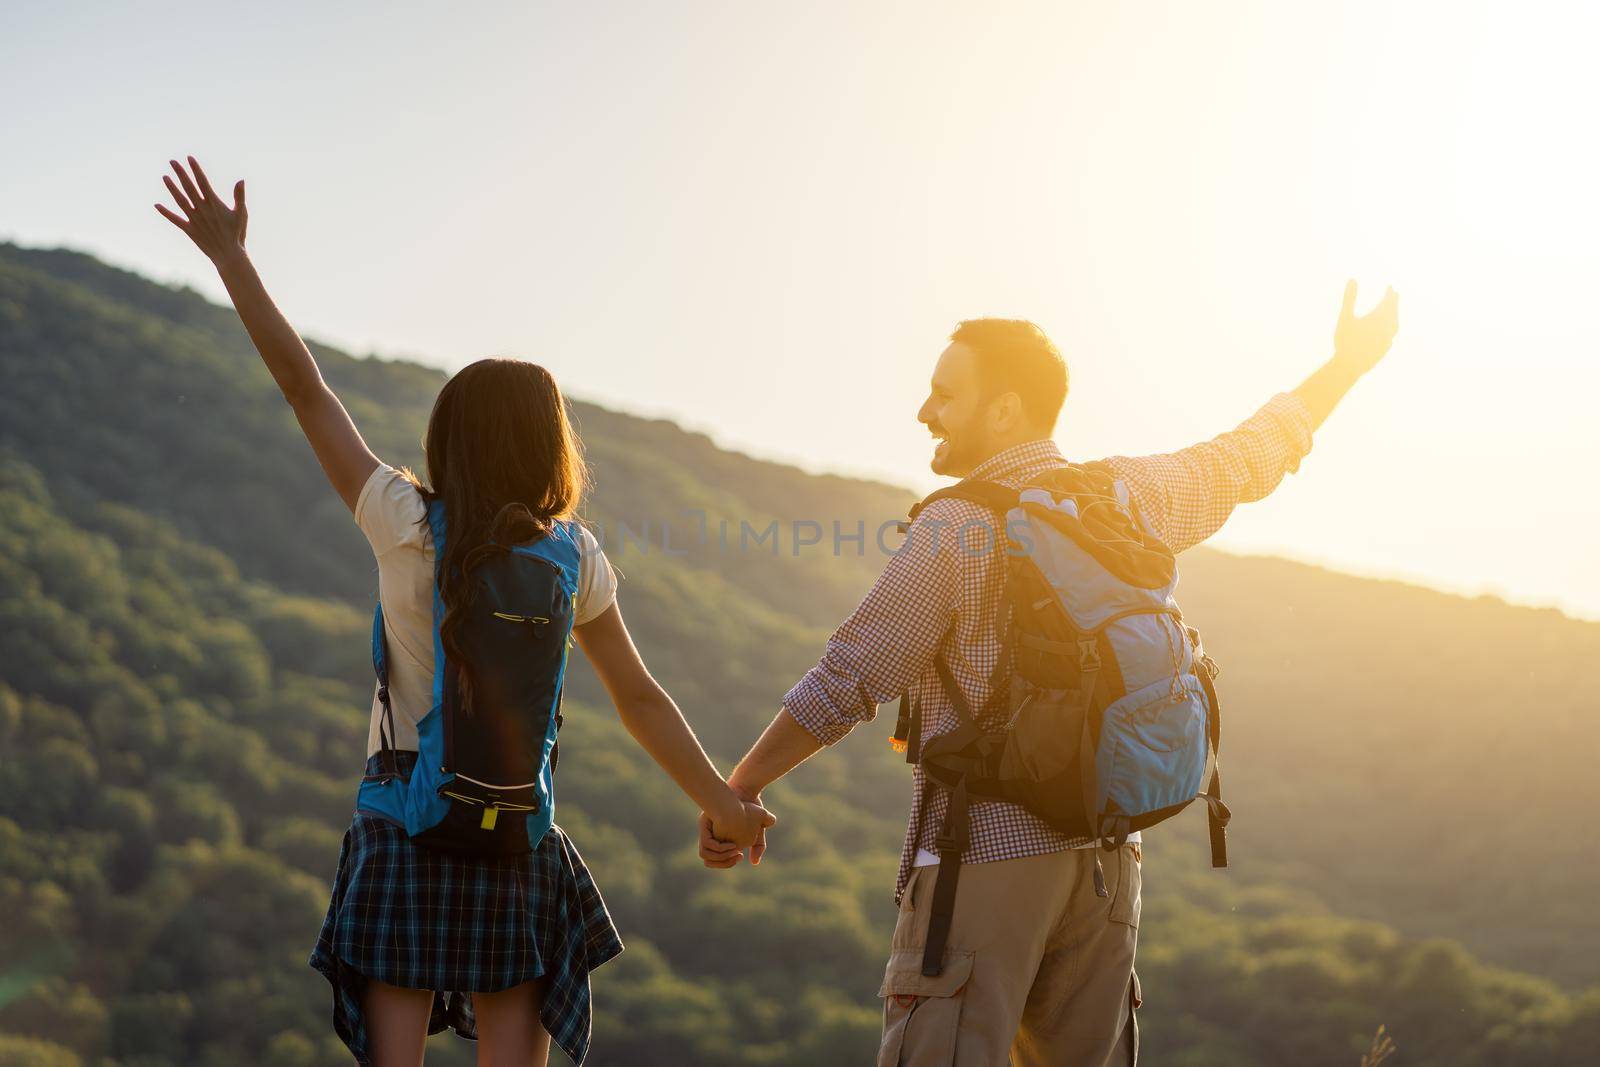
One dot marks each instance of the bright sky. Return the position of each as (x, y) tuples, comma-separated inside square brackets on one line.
[(762, 220)]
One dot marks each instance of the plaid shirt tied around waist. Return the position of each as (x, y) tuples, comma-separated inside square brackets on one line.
[(939, 594)]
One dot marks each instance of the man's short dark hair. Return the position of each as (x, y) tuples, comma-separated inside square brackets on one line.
[(1014, 355)]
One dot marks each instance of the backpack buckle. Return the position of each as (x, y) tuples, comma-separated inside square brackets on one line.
[(1088, 654)]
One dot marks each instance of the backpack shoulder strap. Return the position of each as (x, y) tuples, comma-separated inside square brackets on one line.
[(1217, 815), (380, 667), (987, 494)]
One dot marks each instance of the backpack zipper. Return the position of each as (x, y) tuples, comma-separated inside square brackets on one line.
[(491, 812)]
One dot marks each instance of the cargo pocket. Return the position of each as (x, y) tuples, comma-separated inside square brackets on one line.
[(905, 922), (921, 1015), (1125, 901)]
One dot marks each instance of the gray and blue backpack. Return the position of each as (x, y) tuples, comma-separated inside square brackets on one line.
[(1101, 718), (482, 780)]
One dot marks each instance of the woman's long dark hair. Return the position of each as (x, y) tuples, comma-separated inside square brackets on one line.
[(504, 459)]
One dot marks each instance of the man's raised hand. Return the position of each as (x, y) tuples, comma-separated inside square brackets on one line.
[(1360, 341), (214, 227)]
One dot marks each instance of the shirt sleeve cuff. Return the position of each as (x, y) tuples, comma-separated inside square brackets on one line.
[(379, 473), (1293, 419), (808, 704)]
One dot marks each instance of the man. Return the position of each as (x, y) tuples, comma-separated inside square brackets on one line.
[(1039, 966)]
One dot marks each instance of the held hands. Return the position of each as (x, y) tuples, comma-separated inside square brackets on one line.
[(1359, 342), (216, 229), (724, 838)]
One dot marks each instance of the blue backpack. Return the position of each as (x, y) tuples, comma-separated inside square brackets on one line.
[(1102, 718), (482, 781)]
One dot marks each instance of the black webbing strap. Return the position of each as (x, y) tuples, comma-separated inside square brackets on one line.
[(957, 830), (914, 738), (968, 731), (1089, 682), (380, 666), (1217, 813), (555, 746), (907, 736), (998, 677), (899, 740), (951, 842)]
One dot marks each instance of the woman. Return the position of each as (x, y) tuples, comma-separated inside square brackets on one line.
[(409, 929)]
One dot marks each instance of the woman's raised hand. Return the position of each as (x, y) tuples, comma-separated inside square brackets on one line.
[(214, 227)]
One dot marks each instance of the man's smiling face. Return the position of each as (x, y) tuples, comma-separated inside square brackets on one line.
[(955, 413), (999, 384)]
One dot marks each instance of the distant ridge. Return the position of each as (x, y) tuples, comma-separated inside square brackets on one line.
[(183, 689)]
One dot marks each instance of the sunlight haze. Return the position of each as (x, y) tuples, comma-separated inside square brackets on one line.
[(762, 221)]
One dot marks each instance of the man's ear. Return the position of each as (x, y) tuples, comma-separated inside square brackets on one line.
[(1005, 413)]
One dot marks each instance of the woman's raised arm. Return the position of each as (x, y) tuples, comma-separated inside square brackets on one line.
[(218, 231)]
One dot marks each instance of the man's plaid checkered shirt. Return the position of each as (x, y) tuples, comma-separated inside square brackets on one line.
[(939, 593)]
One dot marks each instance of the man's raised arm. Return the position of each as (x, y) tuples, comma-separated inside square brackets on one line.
[(1187, 495)]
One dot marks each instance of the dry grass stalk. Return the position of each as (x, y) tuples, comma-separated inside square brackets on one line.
[(1382, 1048)]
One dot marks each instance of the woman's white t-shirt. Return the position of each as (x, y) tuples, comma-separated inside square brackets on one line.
[(390, 511)]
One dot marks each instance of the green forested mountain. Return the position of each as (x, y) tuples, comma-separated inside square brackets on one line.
[(183, 692)]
